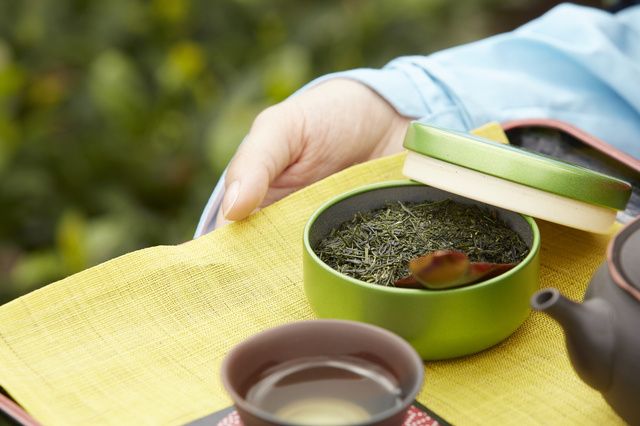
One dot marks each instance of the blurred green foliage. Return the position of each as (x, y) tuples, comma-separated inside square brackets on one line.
[(118, 116)]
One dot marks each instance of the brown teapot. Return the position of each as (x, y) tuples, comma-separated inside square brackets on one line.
[(603, 332)]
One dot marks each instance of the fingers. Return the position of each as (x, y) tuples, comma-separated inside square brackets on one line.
[(220, 220), (261, 158), (306, 138)]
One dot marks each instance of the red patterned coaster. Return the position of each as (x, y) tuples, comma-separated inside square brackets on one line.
[(415, 417)]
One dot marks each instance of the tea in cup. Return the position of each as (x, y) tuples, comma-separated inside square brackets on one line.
[(323, 372)]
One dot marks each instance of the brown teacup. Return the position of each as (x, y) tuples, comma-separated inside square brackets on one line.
[(323, 372)]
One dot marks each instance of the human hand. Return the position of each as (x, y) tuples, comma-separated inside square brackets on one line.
[(307, 138)]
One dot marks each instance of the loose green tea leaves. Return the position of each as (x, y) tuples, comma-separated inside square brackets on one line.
[(376, 247)]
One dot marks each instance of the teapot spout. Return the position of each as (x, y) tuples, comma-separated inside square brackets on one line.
[(589, 334)]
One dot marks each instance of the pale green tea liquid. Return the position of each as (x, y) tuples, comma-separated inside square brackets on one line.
[(326, 391)]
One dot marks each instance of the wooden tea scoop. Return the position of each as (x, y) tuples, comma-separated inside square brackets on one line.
[(447, 269)]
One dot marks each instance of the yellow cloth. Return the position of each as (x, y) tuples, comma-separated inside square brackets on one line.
[(492, 131), (140, 339)]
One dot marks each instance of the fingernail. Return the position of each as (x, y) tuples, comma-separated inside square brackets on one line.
[(230, 198)]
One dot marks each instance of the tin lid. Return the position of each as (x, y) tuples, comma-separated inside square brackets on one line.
[(514, 178)]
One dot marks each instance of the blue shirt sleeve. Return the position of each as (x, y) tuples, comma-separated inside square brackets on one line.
[(576, 64)]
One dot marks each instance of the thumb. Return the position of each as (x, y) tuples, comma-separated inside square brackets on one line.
[(245, 192), (263, 155)]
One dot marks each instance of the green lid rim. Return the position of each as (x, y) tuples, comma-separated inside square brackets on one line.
[(519, 165)]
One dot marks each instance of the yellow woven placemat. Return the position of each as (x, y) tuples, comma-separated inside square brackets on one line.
[(140, 339)]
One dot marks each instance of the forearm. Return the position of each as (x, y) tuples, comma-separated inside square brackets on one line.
[(575, 64)]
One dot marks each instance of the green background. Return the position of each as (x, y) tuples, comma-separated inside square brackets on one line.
[(117, 117)]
